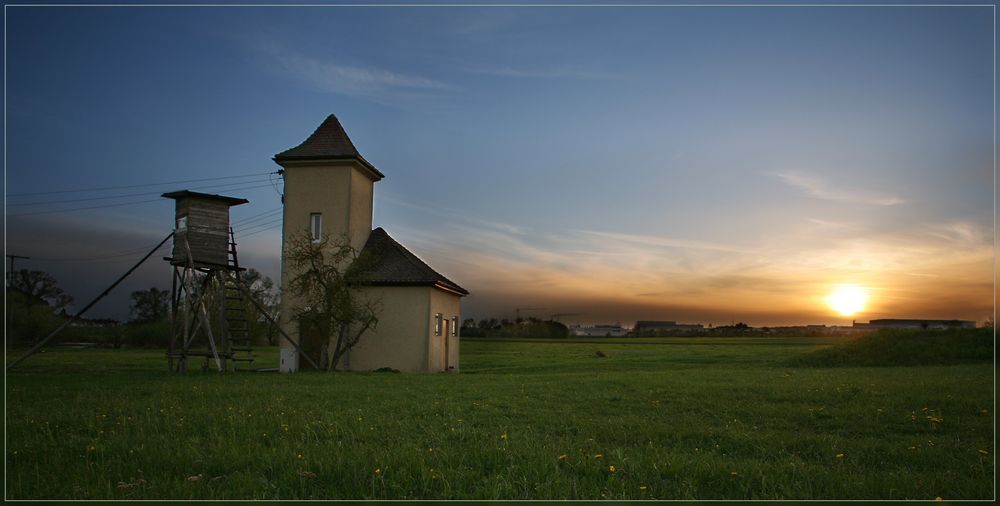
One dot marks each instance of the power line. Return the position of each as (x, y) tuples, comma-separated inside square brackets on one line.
[(112, 255), (84, 208), (258, 214), (111, 205), (126, 195), (259, 217), (139, 185), (262, 224), (259, 231)]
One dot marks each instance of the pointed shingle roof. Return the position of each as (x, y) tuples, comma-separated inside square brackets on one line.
[(328, 142), (395, 265)]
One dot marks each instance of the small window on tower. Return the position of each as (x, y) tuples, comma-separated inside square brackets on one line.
[(182, 223), (438, 321), (454, 326), (316, 226)]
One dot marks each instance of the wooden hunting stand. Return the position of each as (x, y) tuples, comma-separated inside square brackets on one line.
[(209, 296), (208, 302)]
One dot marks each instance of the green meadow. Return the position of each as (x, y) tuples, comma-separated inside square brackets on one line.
[(667, 418)]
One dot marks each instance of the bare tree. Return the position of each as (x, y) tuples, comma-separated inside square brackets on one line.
[(332, 310), (263, 291), (39, 284)]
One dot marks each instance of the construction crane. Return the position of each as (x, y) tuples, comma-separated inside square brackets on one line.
[(556, 316), (517, 311)]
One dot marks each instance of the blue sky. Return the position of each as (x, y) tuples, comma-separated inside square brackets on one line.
[(692, 164)]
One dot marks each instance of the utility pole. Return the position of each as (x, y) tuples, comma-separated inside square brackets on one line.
[(10, 271)]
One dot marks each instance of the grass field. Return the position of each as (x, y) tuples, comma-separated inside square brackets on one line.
[(654, 418)]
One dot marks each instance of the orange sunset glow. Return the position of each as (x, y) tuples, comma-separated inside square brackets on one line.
[(847, 299)]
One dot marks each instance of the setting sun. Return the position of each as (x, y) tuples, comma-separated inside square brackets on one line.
[(848, 299)]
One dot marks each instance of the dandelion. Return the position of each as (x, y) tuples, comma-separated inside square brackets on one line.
[(642, 487), (378, 471), (611, 469), (299, 456), (840, 456), (503, 436), (562, 457)]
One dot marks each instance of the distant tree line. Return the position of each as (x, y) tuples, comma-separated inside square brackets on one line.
[(524, 327), (36, 306)]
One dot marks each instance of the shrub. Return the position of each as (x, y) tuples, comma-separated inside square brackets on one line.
[(155, 334), (890, 347)]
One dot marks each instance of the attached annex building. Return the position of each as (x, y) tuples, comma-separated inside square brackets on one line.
[(329, 190)]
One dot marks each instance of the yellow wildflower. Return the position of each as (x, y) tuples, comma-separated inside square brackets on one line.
[(611, 469), (562, 457), (840, 455), (642, 487), (378, 471)]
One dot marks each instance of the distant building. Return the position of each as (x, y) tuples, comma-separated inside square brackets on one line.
[(615, 330), (814, 330), (653, 326), (896, 323)]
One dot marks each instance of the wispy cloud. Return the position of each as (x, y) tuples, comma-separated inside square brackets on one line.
[(554, 72), (819, 188), (780, 278), (663, 242), (962, 234), (454, 214), (828, 224), (335, 77)]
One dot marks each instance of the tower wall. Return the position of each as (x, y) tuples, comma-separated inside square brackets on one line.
[(342, 194)]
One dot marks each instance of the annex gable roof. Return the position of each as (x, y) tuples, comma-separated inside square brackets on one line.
[(328, 142), (397, 266)]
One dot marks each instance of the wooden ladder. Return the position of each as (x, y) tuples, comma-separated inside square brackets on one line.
[(239, 339)]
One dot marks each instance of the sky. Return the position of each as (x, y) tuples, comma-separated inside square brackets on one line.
[(696, 164)]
